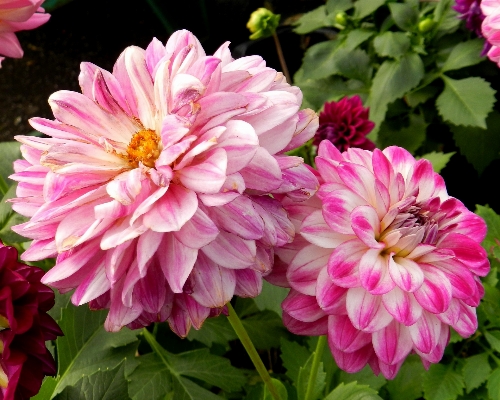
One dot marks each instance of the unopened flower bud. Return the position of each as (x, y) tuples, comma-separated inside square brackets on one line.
[(341, 19), (426, 25), (262, 23)]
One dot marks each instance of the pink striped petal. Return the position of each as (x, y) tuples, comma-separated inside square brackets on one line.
[(330, 297), (302, 307), (366, 311), (316, 231), (366, 225), (425, 332), (316, 328), (435, 293), (248, 283), (343, 264), (198, 231), (393, 343), (402, 306), (305, 267), (342, 335), (230, 251), (352, 362), (406, 273), (208, 176), (374, 272)]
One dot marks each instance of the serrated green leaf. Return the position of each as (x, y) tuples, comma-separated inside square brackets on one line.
[(493, 385), (303, 379), (413, 99), (215, 330), (103, 385), (410, 137), (293, 356), (87, 348), (9, 152), (464, 54), (363, 8), (311, 21), (493, 338), (408, 382), (438, 159), (404, 15), (392, 44), (466, 101), (476, 370), (363, 377), (354, 64), (441, 382), (9, 218), (353, 391), (150, 380), (282, 392), (338, 5), (492, 219), (393, 79), (270, 297), (265, 329), (479, 146)]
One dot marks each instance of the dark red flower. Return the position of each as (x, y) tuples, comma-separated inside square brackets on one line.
[(345, 123), (24, 328)]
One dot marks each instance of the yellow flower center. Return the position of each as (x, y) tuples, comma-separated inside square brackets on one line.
[(144, 147)]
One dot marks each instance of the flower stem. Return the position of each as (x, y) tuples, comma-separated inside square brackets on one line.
[(250, 349), (281, 58), (320, 346)]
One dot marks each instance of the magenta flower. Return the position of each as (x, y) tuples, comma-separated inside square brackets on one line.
[(470, 11), (491, 28), (345, 123), (18, 15), (24, 328), (385, 262), (153, 187)]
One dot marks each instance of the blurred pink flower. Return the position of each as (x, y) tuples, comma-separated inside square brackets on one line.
[(345, 123), (24, 328), (491, 28), (153, 187), (18, 15), (386, 261)]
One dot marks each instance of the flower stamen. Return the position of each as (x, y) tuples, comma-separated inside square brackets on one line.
[(144, 147)]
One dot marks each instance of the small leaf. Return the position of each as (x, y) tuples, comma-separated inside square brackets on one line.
[(353, 391), (491, 242), (270, 297), (338, 5), (363, 8), (476, 370), (150, 380), (265, 329), (46, 390), (441, 382), (479, 146), (215, 330), (294, 356), (9, 218), (464, 54), (438, 159), (311, 21), (413, 99), (493, 338), (279, 387), (493, 385), (354, 64), (466, 101), (9, 152), (392, 44), (410, 137), (404, 15), (408, 382), (364, 377), (303, 379)]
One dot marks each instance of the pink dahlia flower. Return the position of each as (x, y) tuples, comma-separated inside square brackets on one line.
[(153, 186), (345, 123), (24, 328), (18, 15), (385, 261), (491, 28)]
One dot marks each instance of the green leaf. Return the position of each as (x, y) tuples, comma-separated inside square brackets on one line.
[(215, 330), (207, 367), (493, 385), (353, 391), (413, 99), (392, 44), (408, 382), (393, 79), (441, 382), (279, 387), (491, 242), (103, 385), (87, 348), (438, 159), (9, 218), (294, 356), (303, 379), (150, 380), (466, 101), (311, 21), (270, 297), (265, 329), (333, 6), (410, 137), (476, 370), (363, 8), (479, 146), (9, 152), (363, 377), (493, 338), (46, 390), (404, 15), (464, 54), (354, 64)]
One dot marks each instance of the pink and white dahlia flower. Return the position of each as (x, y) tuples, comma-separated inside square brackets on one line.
[(18, 15), (153, 187), (491, 28), (386, 261)]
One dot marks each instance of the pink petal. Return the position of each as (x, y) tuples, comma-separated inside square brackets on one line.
[(262, 173), (354, 361), (406, 273), (302, 307), (343, 264), (366, 226), (393, 343), (248, 283), (425, 332), (374, 272), (402, 306), (230, 251), (316, 328), (435, 293), (305, 267), (208, 176), (343, 336), (330, 297), (316, 231), (198, 231), (366, 311)]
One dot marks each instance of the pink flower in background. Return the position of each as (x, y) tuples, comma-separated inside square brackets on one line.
[(491, 28), (18, 15), (153, 187), (470, 11), (345, 123), (385, 261), (24, 328)]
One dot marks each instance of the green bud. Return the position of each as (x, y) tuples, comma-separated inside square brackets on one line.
[(426, 25), (262, 23), (341, 19)]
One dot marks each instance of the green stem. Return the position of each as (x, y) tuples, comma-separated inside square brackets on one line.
[(318, 354), (242, 334), (155, 346), (159, 14), (282, 58)]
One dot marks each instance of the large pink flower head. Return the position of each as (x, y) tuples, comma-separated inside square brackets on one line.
[(491, 28), (386, 261), (345, 123), (18, 15), (153, 187), (24, 328)]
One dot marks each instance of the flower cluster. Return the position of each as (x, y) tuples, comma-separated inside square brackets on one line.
[(153, 188), (385, 263), (345, 123), (17, 16), (25, 326), (491, 28)]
